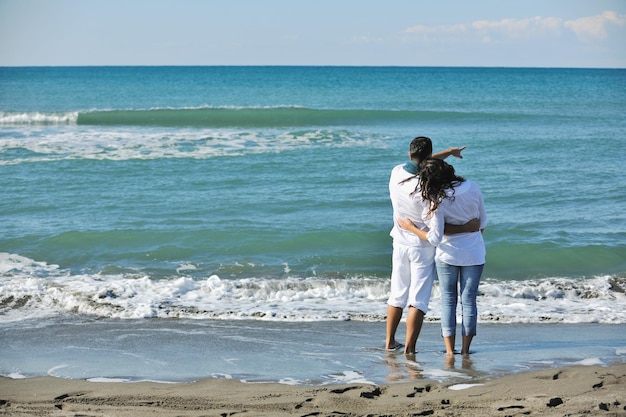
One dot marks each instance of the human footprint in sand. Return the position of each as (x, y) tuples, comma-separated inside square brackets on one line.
[(459, 258), (413, 264)]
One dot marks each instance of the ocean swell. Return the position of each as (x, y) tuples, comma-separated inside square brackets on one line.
[(245, 117)]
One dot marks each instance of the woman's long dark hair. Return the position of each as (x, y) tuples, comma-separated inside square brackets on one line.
[(436, 176)]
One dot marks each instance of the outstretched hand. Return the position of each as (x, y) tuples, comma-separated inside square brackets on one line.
[(456, 152)]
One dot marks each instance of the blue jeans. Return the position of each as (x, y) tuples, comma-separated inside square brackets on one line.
[(451, 279)]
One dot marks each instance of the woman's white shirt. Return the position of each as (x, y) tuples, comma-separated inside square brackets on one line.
[(462, 249)]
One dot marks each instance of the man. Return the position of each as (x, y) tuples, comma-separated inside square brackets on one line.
[(413, 260)]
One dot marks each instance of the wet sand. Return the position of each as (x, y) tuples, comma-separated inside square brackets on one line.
[(567, 391)]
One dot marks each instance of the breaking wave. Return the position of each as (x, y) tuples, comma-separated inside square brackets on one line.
[(36, 289)]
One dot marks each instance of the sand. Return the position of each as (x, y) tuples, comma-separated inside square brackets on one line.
[(571, 391)]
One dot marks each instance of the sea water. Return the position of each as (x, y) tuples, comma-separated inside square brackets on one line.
[(259, 194)]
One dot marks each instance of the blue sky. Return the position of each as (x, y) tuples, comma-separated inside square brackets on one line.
[(523, 33)]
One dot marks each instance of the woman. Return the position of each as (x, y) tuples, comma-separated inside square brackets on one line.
[(460, 258)]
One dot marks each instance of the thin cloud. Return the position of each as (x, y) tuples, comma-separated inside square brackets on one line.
[(586, 28), (423, 29), (364, 39), (595, 27), (518, 28)]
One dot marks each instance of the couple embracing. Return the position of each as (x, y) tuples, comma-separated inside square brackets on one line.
[(438, 222)]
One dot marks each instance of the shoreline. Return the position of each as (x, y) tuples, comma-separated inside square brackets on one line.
[(309, 353), (572, 391)]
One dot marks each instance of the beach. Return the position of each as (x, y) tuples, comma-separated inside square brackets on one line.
[(150, 368), (569, 391), (215, 240)]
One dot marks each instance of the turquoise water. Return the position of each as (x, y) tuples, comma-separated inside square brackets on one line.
[(261, 192)]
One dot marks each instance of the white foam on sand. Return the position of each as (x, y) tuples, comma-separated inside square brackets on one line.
[(102, 380), (459, 387), (590, 362)]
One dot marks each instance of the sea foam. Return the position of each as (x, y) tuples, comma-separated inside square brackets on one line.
[(30, 288)]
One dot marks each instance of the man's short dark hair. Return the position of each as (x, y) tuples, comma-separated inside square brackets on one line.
[(421, 148)]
